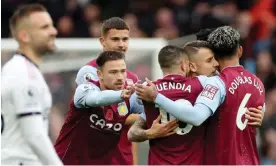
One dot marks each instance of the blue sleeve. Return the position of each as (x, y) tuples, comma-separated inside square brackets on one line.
[(143, 115), (89, 95), (136, 105), (202, 79), (213, 93), (206, 104), (86, 73), (183, 110)]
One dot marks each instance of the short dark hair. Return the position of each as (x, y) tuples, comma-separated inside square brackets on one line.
[(225, 41), (24, 11), (113, 23), (204, 33), (109, 56), (193, 47), (169, 56)]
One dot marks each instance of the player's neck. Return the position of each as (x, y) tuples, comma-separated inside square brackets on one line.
[(170, 72), (192, 74), (228, 62), (102, 87), (29, 53)]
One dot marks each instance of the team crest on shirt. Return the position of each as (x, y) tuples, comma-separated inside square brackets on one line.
[(122, 109)]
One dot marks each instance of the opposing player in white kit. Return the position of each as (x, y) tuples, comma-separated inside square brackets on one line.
[(26, 99)]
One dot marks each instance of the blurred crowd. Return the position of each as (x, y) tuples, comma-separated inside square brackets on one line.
[(156, 18), (170, 19)]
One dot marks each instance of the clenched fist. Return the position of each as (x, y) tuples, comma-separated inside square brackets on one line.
[(127, 92)]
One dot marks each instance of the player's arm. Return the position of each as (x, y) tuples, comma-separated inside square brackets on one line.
[(255, 116), (29, 113), (206, 104), (136, 108), (85, 74), (135, 152), (139, 133), (89, 95), (131, 119), (194, 115)]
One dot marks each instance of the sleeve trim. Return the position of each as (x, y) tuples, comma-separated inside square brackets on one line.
[(28, 114)]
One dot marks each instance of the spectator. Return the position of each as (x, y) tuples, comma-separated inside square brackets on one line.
[(91, 13), (132, 22), (65, 27), (95, 29), (265, 70), (165, 24)]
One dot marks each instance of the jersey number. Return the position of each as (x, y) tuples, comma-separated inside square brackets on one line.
[(242, 110), (183, 128)]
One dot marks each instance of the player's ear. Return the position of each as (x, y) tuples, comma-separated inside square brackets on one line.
[(187, 67), (240, 50), (102, 41), (100, 74), (193, 67), (182, 67), (23, 36)]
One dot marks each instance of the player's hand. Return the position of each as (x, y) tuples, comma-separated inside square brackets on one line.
[(127, 92), (254, 116), (159, 130), (147, 93)]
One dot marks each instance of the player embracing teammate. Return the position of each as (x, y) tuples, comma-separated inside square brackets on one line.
[(226, 98)]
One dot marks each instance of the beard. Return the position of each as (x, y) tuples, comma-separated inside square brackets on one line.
[(45, 49)]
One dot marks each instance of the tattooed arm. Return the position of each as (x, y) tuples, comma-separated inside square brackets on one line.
[(138, 133)]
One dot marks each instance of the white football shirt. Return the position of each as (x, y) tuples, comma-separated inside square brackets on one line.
[(24, 93)]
